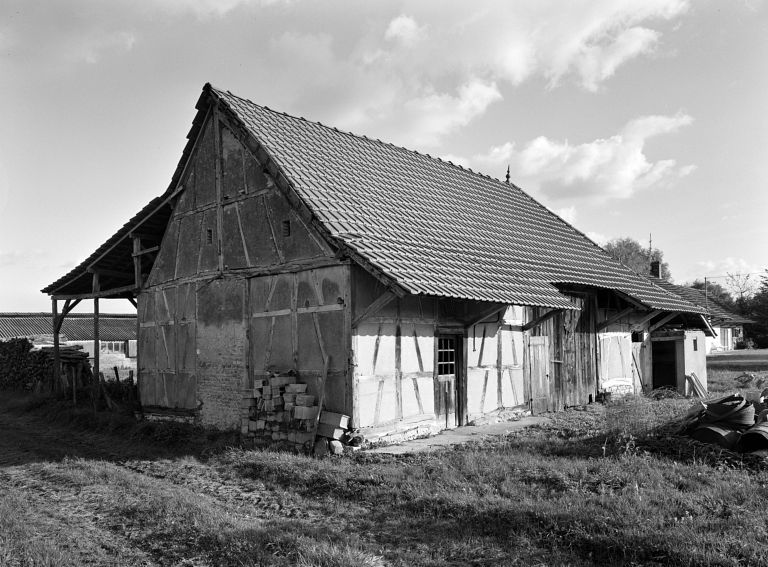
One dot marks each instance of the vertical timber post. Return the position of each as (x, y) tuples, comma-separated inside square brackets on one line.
[(56, 354), (219, 190), (96, 345), (137, 261)]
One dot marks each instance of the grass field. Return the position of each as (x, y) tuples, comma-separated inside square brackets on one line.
[(741, 369), (606, 485), (600, 485)]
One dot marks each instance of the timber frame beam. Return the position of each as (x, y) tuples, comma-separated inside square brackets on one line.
[(614, 318), (709, 330), (541, 319), (487, 313), (663, 321), (374, 307), (117, 292), (639, 325)]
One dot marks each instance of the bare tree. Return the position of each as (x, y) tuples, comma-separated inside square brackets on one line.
[(741, 286)]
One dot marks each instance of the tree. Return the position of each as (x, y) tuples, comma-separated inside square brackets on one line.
[(758, 312), (631, 253), (742, 288)]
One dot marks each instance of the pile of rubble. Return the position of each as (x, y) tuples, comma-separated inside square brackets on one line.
[(279, 411), (734, 422)]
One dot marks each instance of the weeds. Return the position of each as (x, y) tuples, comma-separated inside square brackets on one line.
[(602, 484)]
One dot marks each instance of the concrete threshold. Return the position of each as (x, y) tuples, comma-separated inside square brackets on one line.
[(464, 434)]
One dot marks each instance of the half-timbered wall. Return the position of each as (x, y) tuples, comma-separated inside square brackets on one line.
[(241, 286), (298, 321), (495, 363), (397, 376)]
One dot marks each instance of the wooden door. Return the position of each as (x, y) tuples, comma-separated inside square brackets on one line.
[(448, 370), (538, 357)]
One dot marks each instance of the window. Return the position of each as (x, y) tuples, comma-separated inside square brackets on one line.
[(446, 356), (209, 235), (286, 228), (695, 344)]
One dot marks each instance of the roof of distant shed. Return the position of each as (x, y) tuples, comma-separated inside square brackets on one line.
[(76, 326), (719, 315), (431, 226)]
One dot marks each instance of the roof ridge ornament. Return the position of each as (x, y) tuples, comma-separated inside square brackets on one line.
[(507, 174)]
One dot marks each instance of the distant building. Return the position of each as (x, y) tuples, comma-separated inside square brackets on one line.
[(117, 334), (728, 326)]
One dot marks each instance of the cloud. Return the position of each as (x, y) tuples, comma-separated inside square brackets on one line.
[(205, 9), (90, 49), (404, 30), (607, 167), (401, 75), (516, 41), (596, 62), (568, 214), (5, 188), (597, 237), (435, 114), (730, 265)]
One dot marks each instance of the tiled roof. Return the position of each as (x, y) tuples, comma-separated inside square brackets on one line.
[(76, 326), (718, 315), (434, 227), (116, 253)]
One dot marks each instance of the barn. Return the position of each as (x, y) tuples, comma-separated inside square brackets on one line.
[(416, 294)]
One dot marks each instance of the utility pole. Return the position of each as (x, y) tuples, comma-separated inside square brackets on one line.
[(706, 295)]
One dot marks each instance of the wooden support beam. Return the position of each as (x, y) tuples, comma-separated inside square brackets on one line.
[(108, 272), (708, 328), (487, 313), (541, 319), (141, 252), (374, 307), (137, 261), (133, 302), (639, 325), (96, 342), (114, 292), (56, 328), (663, 321), (611, 320), (631, 300), (217, 180)]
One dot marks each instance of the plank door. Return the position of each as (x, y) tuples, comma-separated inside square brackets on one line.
[(448, 370), (538, 356)]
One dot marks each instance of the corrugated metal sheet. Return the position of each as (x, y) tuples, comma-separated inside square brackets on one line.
[(76, 326)]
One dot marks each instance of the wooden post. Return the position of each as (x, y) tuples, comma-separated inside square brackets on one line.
[(137, 261), (56, 355), (321, 401), (96, 345)]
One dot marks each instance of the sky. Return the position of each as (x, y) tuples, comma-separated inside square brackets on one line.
[(638, 118)]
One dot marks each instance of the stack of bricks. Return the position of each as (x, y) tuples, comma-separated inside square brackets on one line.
[(279, 410)]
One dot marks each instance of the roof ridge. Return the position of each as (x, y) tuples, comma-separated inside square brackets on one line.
[(357, 136)]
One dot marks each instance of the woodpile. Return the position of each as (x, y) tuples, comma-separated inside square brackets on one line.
[(279, 411), (24, 367), (75, 369)]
